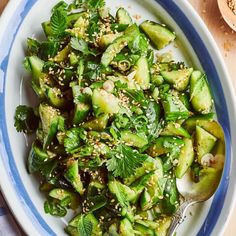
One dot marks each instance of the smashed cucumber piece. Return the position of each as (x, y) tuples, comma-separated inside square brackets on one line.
[(173, 107), (123, 16), (133, 139), (126, 228), (96, 124), (174, 129), (73, 176), (178, 78), (104, 102), (149, 165), (107, 39), (118, 44), (159, 34), (200, 94), (142, 75), (52, 122), (191, 122), (186, 158), (163, 145), (204, 142), (37, 157), (213, 127)]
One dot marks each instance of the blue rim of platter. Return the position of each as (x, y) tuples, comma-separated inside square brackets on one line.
[(208, 65)]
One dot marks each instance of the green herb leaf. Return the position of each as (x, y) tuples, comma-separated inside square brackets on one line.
[(54, 208), (85, 226), (94, 4), (33, 46), (25, 119), (27, 65), (73, 139), (153, 115), (137, 96), (124, 160), (81, 45), (58, 22)]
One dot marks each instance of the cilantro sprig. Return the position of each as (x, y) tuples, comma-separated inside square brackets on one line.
[(124, 160), (25, 119)]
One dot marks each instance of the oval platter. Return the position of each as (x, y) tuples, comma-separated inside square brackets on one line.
[(195, 45)]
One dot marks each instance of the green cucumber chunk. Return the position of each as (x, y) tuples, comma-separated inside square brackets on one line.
[(37, 157), (81, 111), (159, 35), (186, 158), (142, 76), (163, 145), (96, 124), (178, 78), (36, 65), (213, 127), (104, 102), (134, 140), (123, 17), (204, 142), (174, 109), (117, 45), (107, 39), (200, 94), (52, 122), (149, 165), (73, 176), (191, 122), (174, 129), (126, 228)]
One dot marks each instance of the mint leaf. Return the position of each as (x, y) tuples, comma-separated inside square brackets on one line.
[(58, 22), (81, 45), (124, 160), (85, 226)]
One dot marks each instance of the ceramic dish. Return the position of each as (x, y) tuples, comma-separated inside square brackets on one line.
[(22, 18)]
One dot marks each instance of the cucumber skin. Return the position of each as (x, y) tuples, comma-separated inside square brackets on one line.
[(200, 94), (186, 158), (159, 35), (142, 76), (123, 16), (204, 142), (113, 49)]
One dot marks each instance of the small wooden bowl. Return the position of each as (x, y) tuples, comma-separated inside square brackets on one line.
[(227, 14)]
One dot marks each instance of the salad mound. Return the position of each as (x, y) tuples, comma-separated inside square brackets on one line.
[(115, 124)]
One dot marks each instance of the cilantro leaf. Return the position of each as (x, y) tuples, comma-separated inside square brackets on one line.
[(124, 160), (85, 226), (58, 22), (25, 119), (81, 45)]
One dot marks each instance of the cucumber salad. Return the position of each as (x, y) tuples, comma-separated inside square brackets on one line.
[(116, 123)]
